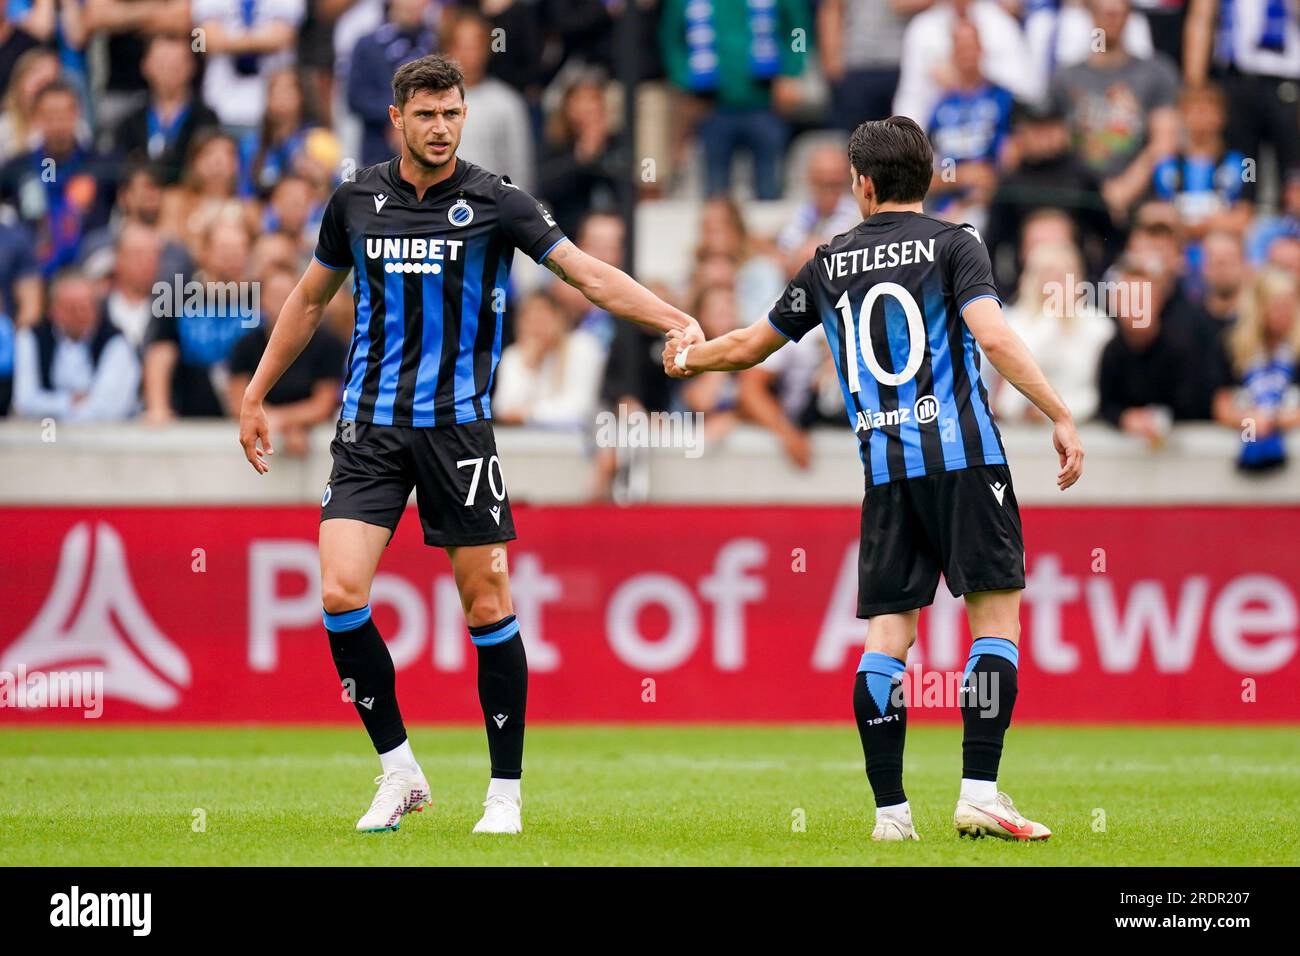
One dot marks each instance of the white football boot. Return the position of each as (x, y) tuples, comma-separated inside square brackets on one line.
[(891, 827), (500, 815), (998, 819), (401, 790)]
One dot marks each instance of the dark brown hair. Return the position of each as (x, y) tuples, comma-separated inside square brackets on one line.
[(429, 74), (895, 155)]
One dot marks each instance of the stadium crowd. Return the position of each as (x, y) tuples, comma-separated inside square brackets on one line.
[(1133, 170)]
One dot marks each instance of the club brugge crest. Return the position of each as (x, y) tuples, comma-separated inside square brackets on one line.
[(460, 213)]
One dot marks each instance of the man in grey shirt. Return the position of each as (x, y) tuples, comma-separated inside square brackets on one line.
[(1121, 111)]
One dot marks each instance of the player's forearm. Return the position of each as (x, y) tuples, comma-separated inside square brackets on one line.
[(732, 352), (1014, 363), (619, 294), (293, 330)]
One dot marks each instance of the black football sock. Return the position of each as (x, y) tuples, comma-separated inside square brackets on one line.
[(989, 689), (503, 693), (366, 669), (882, 725)]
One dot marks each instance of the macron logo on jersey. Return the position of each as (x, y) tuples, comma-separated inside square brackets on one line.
[(380, 199)]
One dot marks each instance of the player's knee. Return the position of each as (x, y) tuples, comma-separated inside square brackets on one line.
[(487, 607), (337, 596)]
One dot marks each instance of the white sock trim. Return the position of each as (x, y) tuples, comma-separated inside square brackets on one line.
[(979, 791), (400, 756), (898, 810), (509, 788)]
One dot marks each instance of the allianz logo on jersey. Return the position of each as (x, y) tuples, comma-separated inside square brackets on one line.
[(413, 253), (923, 412)]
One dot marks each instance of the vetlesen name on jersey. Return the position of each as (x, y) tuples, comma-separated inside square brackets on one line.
[(885, 256), (889, 294)]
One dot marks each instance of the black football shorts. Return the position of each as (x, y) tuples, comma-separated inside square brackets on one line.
[(454, 470), (964, 524)]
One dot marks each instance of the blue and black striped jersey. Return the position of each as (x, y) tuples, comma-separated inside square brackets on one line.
[(429, 287), (890, 294)]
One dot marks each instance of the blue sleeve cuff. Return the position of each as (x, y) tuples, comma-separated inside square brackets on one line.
[(327, 265), (779, 331), (962, 309)]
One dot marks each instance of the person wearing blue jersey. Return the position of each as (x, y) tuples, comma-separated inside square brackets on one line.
[(908, 306), (429, 239)]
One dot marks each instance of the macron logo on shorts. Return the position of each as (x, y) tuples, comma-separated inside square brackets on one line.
[(999, 490)]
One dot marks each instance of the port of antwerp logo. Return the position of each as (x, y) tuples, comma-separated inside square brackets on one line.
[(111, 630)]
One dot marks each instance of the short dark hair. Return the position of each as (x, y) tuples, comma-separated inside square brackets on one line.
[(429, 74), (59, 85), (896, 155)]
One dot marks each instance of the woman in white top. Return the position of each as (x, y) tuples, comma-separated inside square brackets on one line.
[(550, 375), (1056, 315)]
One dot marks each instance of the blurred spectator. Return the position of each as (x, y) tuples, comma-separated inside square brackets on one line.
[(275, 250), (59, 25), (21, 285), (74, 366), (739, 59), (1286, 223), (1060, 33), (7, 333), (131, 27), (1254, 46), (1120, 110), (139, 200), (208, 193), (62, 188), (406, 35), (1044, 175), (828, 210), (14, 43), (759, 276), (1157, 238), (245, 42), (34, 70), (581, 166), (860, 42), (714, 394), (129, 304), (294, 211), (1149, 375), (275, 150), (499, 137), (550, 375), (1063, 329), (1284, 253), (188, 345), (307, 394), (1258, 370), (1210, 185), (1223, 275), (967, 130), (927, 68), (161, 129)]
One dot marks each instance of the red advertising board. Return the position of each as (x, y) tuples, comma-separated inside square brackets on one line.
[(652, 613)]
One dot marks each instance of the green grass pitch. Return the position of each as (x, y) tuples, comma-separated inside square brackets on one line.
[(664, 795)]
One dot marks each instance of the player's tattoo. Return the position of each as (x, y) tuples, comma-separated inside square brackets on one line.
[(552, 263)]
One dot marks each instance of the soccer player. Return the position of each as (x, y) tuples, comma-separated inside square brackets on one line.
[(904, 300), (430, 239)]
